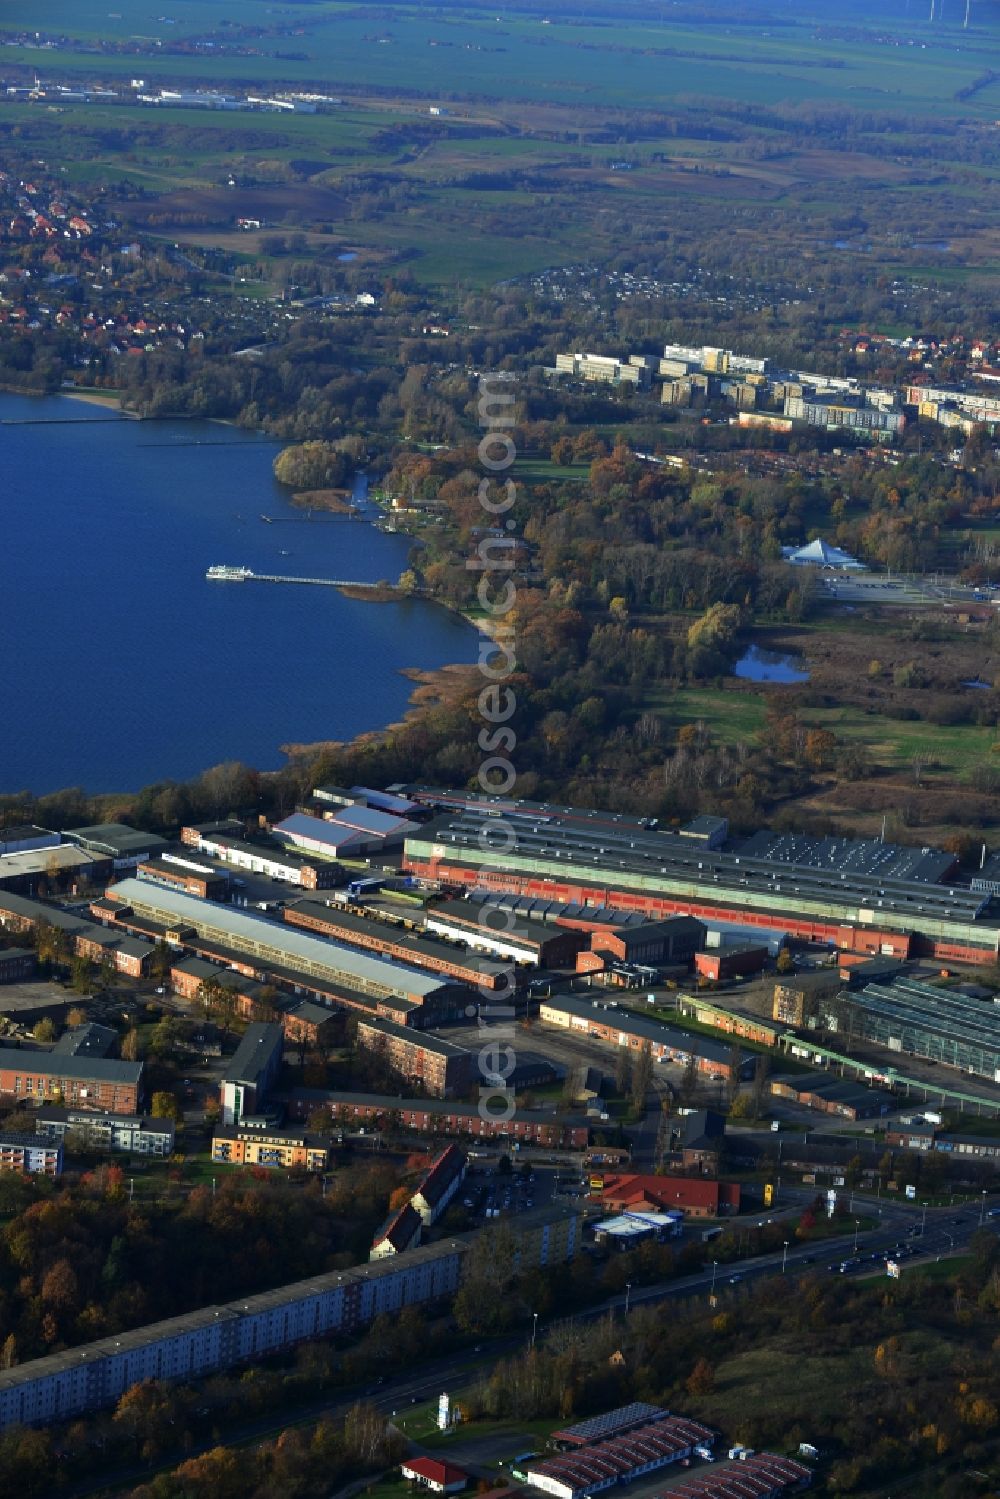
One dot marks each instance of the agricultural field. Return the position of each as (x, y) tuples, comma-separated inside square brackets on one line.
[(639, 61)]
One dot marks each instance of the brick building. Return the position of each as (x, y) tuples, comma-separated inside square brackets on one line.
[(175, 872), (87, 1082), (524, 941), (432, 1116), (441, 1066), (617, 1026), (675, 940), (695, 1196), (382, 937)]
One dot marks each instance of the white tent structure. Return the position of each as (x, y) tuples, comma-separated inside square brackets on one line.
[(819, 553)]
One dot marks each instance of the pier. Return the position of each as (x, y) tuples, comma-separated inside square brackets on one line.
[(226, 574)]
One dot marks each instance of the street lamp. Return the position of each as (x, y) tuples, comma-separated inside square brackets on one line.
[(628, 1293), (857, 1230), (982, 1210), (534, 1327), (784, 1256), (715, 1271)]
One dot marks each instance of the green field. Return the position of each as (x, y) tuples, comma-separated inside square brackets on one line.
[(638, 63), (734, 717)]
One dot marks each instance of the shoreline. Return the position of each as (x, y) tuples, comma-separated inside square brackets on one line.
[(103, 399), (431, 687), (434, 686)]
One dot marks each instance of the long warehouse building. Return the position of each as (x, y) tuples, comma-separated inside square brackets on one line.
[(855, 894), (275, 942)]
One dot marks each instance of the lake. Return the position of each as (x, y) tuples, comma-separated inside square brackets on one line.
[(759, 665), (122, 665)]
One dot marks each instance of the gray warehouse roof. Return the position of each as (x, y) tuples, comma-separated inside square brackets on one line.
[(234, 926), (116, 839)]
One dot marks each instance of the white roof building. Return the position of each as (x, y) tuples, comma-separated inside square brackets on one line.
[(819, 553)]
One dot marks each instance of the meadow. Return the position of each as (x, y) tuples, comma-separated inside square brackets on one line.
[(894, 60)]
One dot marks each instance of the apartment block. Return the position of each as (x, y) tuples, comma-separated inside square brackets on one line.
[(441, 1066)]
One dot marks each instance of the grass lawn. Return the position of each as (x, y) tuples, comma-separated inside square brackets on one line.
[(733, 716)]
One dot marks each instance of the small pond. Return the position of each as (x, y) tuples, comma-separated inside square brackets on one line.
[(759, 665)]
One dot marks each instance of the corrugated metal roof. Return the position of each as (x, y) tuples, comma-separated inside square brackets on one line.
[(210, 918), (317, 829)]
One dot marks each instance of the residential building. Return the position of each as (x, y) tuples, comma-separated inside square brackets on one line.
[(257, 1143), (432, 1116), (251, 1073), (95, 1375), (443, 1067), (30, 1155), (603, 369), (130, 1133), (400, 1232), (40, 1077), (439, 1185), (702, 1139), (816, 412)]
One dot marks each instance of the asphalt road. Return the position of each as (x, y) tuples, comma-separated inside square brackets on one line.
[(927, 1234)]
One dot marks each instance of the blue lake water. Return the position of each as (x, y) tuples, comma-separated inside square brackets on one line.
[(758, 665), (121, 665)]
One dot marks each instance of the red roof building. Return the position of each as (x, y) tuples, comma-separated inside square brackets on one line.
[(694, 1196), (440, 1478)]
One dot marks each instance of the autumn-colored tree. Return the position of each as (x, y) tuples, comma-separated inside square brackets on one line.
[(701, 1380), (60, 1288)]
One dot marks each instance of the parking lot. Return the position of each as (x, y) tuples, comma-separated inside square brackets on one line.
[(490, 1193)]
